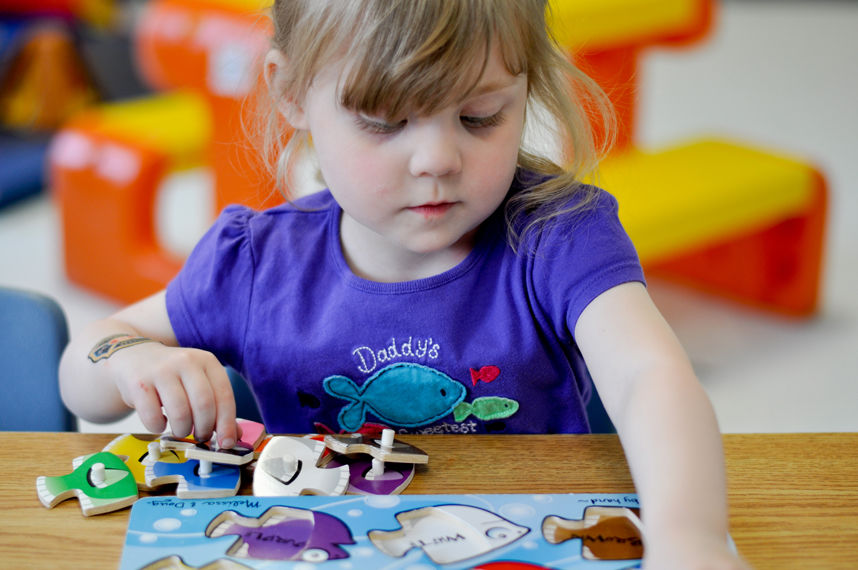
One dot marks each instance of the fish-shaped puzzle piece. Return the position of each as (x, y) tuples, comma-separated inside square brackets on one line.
[(606, 533), (223, 481), (399, 452), (101, 482), (176, 562), (486, 408), (134, 451), (209, 450), (403, 394), (448, 533), (394, 480), (283, 533), (288, 466)]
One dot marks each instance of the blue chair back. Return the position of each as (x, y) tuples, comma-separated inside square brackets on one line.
[(245, 403), (33, 334), (598, 417)]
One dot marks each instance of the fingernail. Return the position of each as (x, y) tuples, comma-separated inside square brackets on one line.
[(227, 443)]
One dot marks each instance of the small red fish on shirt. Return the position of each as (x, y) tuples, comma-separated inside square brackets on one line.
[(486, 374)]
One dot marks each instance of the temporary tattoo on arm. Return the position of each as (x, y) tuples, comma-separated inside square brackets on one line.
[(107, 346)]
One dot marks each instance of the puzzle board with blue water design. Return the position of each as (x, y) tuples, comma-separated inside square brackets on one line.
[(395, 531)]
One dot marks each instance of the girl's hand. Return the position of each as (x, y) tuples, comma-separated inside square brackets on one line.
[(190, 385), (131, 361)]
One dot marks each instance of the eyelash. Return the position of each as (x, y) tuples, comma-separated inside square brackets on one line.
[(488, 122), (377, 127)]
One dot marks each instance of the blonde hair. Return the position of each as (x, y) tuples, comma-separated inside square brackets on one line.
[(418, 56)]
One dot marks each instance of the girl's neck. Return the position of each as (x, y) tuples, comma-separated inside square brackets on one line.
[(371, 257)]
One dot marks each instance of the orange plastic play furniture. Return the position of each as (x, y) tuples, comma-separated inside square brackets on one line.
[(214, 47), (106, 167), (107, 163)]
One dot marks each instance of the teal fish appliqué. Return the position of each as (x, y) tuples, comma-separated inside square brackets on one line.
[(403, 394)]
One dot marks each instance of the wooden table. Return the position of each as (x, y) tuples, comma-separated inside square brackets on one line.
[(793, 497)]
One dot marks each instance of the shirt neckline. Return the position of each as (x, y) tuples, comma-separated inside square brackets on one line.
[(482, 244)]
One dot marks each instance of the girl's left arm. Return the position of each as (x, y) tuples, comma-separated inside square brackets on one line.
[(667, 427)]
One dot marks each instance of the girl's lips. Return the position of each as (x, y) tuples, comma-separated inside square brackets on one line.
[(432, 210)]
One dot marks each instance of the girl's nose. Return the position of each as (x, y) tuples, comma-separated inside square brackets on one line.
[(436, 153)]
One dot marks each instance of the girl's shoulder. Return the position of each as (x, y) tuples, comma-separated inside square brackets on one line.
[(563, 195), (540, 205), (292, 224), (310, 206)]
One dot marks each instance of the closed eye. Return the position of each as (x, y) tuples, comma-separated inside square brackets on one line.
[(477, 122), (378, 126)]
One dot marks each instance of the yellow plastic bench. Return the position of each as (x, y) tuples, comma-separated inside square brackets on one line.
[(733, 220), (738, 221)]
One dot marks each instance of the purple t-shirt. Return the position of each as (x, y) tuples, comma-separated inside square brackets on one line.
[(484, 347)]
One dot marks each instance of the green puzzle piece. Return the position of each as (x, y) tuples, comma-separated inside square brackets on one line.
[(118, 490)]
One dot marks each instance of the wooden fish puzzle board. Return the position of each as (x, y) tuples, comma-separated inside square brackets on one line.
[(491, 532)]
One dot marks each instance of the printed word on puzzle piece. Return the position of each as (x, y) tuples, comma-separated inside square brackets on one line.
[(448, 533), (283, 533), (289, 466), (139, 452), (606, 533), (101, 482)]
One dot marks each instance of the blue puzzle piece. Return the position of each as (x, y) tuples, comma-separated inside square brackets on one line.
[(223, 481)]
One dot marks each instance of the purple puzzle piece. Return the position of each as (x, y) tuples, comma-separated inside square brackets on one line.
[(395, 478), (284, 533)]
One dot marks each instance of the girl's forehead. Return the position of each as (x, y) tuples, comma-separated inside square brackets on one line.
[(423, 88)]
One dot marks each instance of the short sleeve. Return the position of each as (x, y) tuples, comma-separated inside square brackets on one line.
[(580, 257), (208, 301)]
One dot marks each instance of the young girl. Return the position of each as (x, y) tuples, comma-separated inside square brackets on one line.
[(449, 279)]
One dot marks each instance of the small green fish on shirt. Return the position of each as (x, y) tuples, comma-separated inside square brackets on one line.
[(486, 408)]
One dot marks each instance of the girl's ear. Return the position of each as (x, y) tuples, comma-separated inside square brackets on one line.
[(275, 68)]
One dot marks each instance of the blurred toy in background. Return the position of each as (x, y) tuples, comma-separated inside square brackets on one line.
[(48, 73), (45, 82), (98, 13), (42, 83), (203, 59), (727, 217)]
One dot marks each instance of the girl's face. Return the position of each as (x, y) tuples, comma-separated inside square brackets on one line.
[(413, 191)]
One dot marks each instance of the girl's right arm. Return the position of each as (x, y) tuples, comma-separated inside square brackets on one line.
[(132, 361)]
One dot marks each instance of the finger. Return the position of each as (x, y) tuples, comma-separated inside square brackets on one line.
[(202, 401), (144, 399), (225, 426), (176, 405)]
